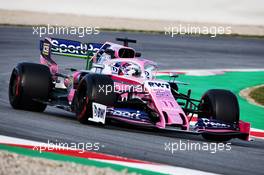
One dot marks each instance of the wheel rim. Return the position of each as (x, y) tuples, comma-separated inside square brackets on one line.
[(205, 106), (82, 101), (14, 89)]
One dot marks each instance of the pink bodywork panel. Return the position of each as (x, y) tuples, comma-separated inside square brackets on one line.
[(244, 127), (54, 68), (163, 101)]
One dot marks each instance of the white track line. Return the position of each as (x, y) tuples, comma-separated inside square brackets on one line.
[(166, 169)]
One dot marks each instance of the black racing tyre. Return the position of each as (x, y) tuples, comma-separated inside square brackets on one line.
[(30, 83), (221, 105), (92, 88)]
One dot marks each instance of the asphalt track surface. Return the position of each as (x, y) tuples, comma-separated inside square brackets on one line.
[(18, 44)]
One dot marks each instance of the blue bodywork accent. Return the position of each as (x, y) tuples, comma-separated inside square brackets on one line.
[(72, 48), (127, 113), (205, 123)]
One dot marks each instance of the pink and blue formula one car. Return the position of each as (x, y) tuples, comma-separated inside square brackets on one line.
[(119, 85)]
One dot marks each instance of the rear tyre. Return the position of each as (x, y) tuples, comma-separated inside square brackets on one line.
[(93, 88), (29, 83)]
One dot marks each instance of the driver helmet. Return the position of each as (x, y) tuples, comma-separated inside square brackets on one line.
[(129, 69)]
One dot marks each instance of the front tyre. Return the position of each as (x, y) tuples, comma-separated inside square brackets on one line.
[(93, 88), (221, 105)]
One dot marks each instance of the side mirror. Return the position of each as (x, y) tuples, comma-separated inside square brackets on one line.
[(137, 54)]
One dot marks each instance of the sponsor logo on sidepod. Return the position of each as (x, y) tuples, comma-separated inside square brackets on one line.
[(125, 113)]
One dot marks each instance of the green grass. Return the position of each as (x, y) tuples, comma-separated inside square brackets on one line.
[(258, 95)]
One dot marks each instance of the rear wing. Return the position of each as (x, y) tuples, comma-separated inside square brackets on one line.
[(69, 48)]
